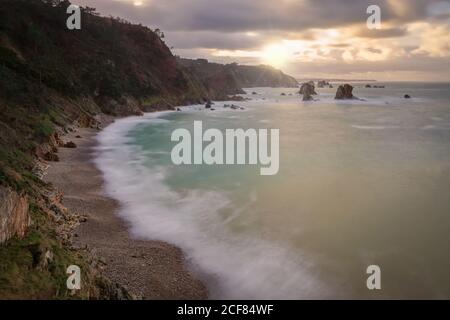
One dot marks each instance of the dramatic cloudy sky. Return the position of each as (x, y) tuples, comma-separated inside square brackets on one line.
[(305, 38)]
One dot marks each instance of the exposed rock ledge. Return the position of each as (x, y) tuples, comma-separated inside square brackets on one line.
[(14, 216)]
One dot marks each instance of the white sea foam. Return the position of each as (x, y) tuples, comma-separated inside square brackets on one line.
[(241, 265), (374, 127), (435, 127)]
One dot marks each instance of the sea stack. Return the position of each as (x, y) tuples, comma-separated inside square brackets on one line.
[(345, 92), (323, 84), (308, 90)]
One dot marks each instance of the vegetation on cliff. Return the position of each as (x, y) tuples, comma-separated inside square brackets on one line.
[(229, 79), (52, 78)]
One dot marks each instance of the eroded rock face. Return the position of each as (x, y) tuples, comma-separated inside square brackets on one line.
[(123, 106), (345, 92), (308, 90), (51, 156), (47, 150), (14, 216)]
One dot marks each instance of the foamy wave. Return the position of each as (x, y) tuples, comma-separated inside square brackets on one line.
[(374, 127), (242, 266), (435, 127)]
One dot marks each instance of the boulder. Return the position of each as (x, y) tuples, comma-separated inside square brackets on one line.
[(407, 96), (50, 156), (345, 92), (208, 105), (42, 256), (70, 145)]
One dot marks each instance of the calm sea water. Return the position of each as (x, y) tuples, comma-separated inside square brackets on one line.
[(360, 183)]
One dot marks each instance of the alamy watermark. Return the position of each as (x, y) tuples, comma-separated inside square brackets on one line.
[(74, 20), (234, 146), (74, 279), (374, 20), (374, 280)]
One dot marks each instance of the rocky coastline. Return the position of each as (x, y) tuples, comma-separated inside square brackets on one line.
[(140, 269)]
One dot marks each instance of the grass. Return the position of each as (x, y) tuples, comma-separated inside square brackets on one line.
[(20, 277)]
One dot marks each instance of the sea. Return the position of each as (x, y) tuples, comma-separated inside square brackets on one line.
[(361, 183)]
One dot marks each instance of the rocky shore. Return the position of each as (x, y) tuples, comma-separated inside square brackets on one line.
[(146, 269)]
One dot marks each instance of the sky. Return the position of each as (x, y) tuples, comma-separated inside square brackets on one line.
[(305, 38)]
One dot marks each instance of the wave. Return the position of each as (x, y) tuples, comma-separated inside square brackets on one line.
[(435, 127), (374, 127), (238, 266)]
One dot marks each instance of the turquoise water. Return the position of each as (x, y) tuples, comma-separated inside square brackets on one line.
[(360, 183)]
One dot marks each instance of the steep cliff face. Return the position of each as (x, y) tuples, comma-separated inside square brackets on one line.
[(229, 79), (50, 80), (14, 217), (262, 76), (108, 57), (51, 77)]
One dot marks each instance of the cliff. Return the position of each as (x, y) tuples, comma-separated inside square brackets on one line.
[(52, 80), (229, 79), (14, 217)]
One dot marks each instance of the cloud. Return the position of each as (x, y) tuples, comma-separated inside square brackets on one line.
[(364, 32), (215, 40), (238, 15), (315, 34)]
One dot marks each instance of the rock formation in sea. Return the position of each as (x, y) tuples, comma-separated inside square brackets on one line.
[(307, 86), (308, 90), (323, 84), (345, 92)]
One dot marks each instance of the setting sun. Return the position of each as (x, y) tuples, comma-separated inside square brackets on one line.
[(275, 55)]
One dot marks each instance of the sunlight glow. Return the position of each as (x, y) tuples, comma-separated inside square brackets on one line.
[(276, 55)]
